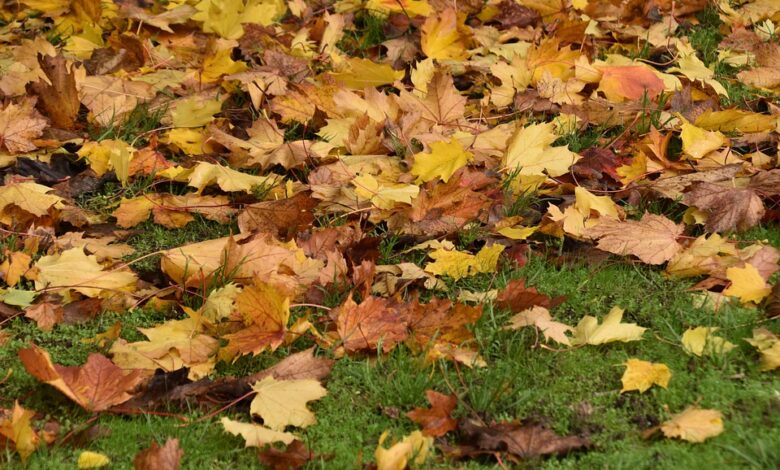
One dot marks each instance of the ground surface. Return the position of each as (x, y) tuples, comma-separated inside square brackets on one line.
[(330, 171)]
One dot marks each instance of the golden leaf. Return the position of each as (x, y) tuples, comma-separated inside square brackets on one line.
[(588, 330), (694, 425), (641, 375), (282, 403)]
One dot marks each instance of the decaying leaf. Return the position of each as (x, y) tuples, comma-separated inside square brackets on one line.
[(540, 318), (653, 239), (16, 427), (97, 385), (156, 457), (768, 344), (436, 420), (521, 440), (727, 208)]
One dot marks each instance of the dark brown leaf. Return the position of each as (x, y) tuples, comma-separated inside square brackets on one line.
[(284, 217), (167, 457), (293, 457), (523, 441), (517, 297), (727, 208), (59, 101)]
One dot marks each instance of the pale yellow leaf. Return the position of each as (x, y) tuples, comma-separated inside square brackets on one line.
[(282, 403), (415, 446), (255, 435), (588, 330), (702, 341), (540, 318), (694, 425), (530, 152)]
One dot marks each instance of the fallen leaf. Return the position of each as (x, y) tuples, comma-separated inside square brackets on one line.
[(45, 314), (727, 208), (17, 428), (265, 313), (254, 435), (295, 456), (88, 459), (96, 386), (653, 239), (19, 125), (415, 446), (155, 457), (375, 321), (694, 425), (768, 344), (74, 270), (442, 37), (524, 441), (629, 82), (517, 297), (641, 375), (747, 284), (530, 152), (702, 341), (458, 264), (697, 142), (282, 403), (436, 420), (58, 98), (540, 318), (588, 330), (442, 162)]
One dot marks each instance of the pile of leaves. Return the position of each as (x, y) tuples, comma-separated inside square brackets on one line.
[(346, 147)]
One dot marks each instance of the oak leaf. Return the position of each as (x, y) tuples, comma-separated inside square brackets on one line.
[(653, 239), (694, 425), (641, 375), (540, 318), (96, 386), (255, 435), (436, 420), (588, 330), (727, 208), (282, 403)]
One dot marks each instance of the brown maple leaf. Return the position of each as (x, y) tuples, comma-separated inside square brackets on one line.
[(442, 322), (96, 386), (766, 182), (295, 456), (517, 297), (442, 103), (653, 239), (364, 327), (265, 313), (523, 441), (19, 125), (436, 420), (167, 457), (283, 217), (58, 98), (727, 208)]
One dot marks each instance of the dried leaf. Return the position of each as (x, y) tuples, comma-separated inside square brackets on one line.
[(641, 375), (694, 425), (282, 403), (727, 208), (653, 239), (436, 420), (155, 457), (540, 318), (588, 330)]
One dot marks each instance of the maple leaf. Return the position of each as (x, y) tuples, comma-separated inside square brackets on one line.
[(254, 435), (14, 266), (282, 403), (58, 97), (384, 195), (629, 82), (747, 284), (295, 456), (156, 457), (641, 375), (375, 321), (415, 446), (89, 459), (265, 313), (19, 125), (96, 386), (360, 73), (768, 344), (540, 318), (442, 36), (110, 98), (517, 297), (458, 264), (653, 239), (442, 103), (529, 151), (442, 162), (443, 323), (697, 142), (588, 330), (18, 429), (73, 269), (727, 208), (524, 441), (694, 425), (228, 179), (46, 315), (436, 420), (702, 340)]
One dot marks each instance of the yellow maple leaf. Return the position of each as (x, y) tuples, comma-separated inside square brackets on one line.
[(89, 459), (220, 63), (188, 140), (735, 119), (587, 202), (282, 403), (747, 284), (359, 74), (30, 197), (228, 179), (530, 152), (702, 340), (18, 429), (588, 330), (641, 375), (694, 425), (255, 435), (442, 36), (768, 344), (442, 162), (540, 318), (194, 111), (74, 270), (696, 142), (225, 17), (460, 264), (515, 77), (384, 195), (415, 446)]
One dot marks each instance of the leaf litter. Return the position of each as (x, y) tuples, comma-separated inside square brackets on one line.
[(334, 154)]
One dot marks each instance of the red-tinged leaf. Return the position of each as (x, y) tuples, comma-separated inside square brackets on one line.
[(294, 456), (436, 420), (167, 457), (366, 326), (96, 386), (517, 297)]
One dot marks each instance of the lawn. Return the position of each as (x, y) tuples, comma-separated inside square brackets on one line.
[(197, 193)]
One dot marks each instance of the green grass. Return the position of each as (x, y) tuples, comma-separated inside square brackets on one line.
[(574, 391), (134, 129)]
